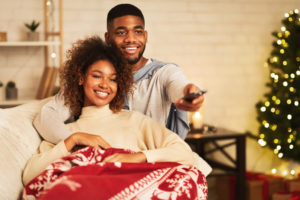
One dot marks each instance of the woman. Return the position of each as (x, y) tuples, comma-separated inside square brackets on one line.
[(95, 82)]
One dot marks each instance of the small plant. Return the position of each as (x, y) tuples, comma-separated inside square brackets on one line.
[(11, 84), (33, 26), (1, 84)]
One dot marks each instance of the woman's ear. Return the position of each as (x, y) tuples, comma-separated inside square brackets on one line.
[(81, 80)]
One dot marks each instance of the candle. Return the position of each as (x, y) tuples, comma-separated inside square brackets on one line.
[(197, 120)]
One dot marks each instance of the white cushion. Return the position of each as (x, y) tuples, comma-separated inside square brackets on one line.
[(19, 141)]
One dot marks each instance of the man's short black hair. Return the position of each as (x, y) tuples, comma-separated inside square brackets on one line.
[(121, 10)]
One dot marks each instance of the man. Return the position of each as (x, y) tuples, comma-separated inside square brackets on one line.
[(158, 84)]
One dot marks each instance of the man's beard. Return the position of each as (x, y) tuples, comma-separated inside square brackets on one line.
[(135, 60)]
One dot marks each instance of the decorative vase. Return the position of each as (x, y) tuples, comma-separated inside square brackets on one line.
[(11, 93), (2, 93), (33, 36)]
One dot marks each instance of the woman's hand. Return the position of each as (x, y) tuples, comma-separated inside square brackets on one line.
[(123, 157), (86, 139)]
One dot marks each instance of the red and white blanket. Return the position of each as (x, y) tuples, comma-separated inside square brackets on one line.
[(82, 175)]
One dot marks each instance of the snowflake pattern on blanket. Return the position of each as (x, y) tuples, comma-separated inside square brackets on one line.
[(82, 175)]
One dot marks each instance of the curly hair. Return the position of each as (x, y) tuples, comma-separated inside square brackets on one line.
[(80, 57)]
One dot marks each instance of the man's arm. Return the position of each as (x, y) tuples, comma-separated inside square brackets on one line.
[(178, 86), (50, 121)]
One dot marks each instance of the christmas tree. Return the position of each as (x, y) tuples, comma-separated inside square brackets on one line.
[(279, 111)]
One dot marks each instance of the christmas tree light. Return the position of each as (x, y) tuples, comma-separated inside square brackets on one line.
[(278, 113)]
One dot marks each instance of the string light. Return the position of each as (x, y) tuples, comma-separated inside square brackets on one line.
[(275, 77), (296, 11), (289, 116), (296, 103), (273, 110), (48, 3), (262, 142), (291, 146), (287, 34), (288, 101), (292, 75), (293, 172), (286, 15), (283, 28), (284, 63), (267, 103), (282, 51), (274, 59), (278, 147), (267, 125), (279, 42), (53, 55), (284, 173), (285, 83), (263, 109)]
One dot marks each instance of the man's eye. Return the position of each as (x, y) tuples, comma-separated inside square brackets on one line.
[(121, 32), (138, 32)]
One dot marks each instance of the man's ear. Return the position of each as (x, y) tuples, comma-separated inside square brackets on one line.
[(106, 36), (146, 36)]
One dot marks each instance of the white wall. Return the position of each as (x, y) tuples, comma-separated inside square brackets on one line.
[(220, 44)]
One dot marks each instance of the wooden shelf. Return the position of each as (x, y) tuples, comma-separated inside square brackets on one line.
[(27, 43), (12, 103)]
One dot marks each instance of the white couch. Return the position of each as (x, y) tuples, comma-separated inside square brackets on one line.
[(18, 141)]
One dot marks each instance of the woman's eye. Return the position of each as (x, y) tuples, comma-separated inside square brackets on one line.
[(96, 76), (113, 79)]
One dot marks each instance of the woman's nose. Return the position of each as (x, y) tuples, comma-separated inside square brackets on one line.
[(103, 83)]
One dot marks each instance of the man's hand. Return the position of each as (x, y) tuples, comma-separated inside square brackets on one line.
[(192, 106), (86, 139), (123, 157)]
